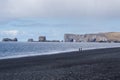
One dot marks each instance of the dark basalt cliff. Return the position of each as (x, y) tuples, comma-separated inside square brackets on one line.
[(99, 37)]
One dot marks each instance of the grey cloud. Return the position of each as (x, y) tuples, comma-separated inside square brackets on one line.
[(41, 25), (59, 8), (50, 25), (30, 24)]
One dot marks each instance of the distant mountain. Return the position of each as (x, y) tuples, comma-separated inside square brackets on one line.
[(99, 37)]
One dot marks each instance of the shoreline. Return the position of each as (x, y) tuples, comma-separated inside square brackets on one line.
[(89, 64), (51, 53)]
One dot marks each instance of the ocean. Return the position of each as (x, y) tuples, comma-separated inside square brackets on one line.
[(23, 49)]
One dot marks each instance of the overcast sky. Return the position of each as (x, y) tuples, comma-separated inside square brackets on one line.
[(30, 18)]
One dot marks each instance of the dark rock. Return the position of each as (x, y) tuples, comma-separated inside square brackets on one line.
[(8, 39), (30, 40), (15, 39), (42, 39)]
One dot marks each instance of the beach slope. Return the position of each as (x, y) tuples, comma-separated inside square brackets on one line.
[(98, 64)]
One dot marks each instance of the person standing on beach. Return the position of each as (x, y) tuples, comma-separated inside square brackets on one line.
[(80, 49)]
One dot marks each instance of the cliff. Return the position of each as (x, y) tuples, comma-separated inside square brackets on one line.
[(99, 37)]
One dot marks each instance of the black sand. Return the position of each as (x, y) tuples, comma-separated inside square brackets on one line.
[(99, 64)]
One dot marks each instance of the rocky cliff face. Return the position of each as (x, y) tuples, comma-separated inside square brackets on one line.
[(100, 37)]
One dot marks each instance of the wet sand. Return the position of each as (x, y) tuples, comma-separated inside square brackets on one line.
[(99, 64)]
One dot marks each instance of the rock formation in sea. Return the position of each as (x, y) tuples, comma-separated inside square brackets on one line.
[(42, 39), (8, 39), (30, 40), (99, 37)]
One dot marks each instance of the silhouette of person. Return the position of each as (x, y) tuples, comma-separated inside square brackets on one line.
[(80, 49)]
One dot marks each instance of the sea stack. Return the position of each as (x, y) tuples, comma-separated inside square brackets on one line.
[(42, 39), (8, 39), (30, 40)]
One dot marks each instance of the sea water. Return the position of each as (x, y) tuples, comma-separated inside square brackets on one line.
[(23, 49)]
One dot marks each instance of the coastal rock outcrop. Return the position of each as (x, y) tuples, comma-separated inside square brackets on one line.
[(30, 40), (8, 39), (42, 39), (99, 37)]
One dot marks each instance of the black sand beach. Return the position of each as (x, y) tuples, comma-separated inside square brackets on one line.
[(99, 64)]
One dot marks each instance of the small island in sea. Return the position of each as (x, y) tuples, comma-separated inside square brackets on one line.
[(8, 40)]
